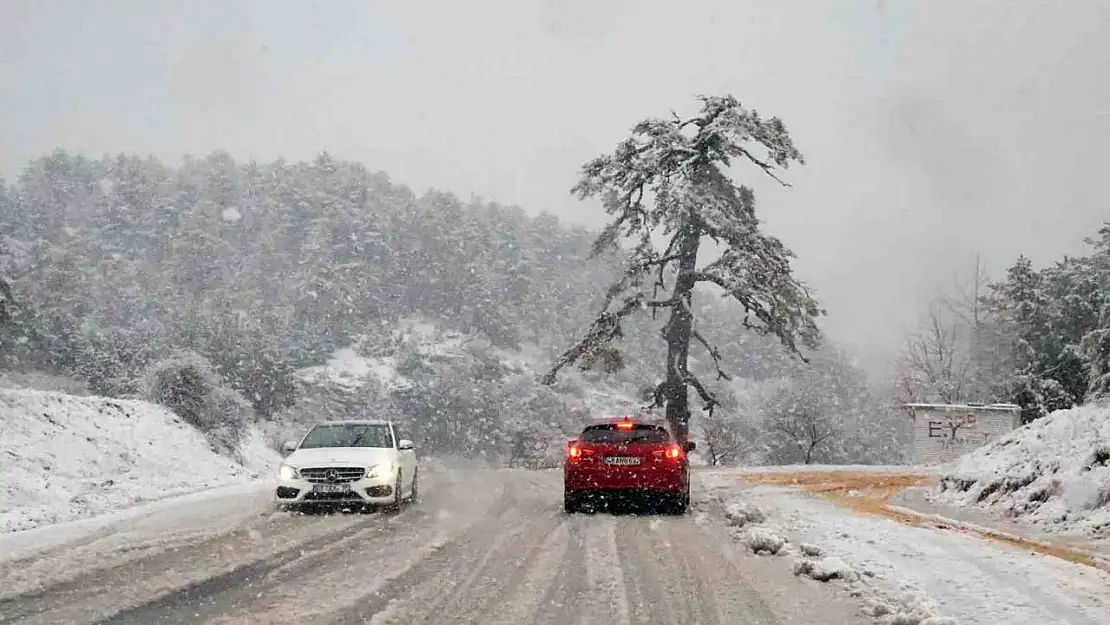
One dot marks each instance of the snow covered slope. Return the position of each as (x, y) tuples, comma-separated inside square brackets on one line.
[(1054, 472), (64, 457)]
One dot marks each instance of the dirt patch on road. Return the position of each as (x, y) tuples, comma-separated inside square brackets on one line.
[(870, 493)]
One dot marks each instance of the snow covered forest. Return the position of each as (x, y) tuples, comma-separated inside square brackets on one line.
[(124, 272), (1039, 338), (132, 278), (129, 277)]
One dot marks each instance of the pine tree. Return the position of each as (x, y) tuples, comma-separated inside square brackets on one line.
[(668, 180), (1096, 343), (1023, 305)]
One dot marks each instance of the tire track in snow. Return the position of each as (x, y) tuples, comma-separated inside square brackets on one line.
[(491, 565), (564, 594), (606, 598), (345, 576), (97, 591)]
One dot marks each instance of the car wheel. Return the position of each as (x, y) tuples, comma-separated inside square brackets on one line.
[(679, 504), (395, 505), (415, 491), (570, 503)]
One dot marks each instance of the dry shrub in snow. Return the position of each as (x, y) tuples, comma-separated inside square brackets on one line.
[(809, 550), (912, 619), (761, 540), (825, 569), (742, 513), (187, 384)]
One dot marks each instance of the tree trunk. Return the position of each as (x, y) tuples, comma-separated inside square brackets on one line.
[(678, 332)]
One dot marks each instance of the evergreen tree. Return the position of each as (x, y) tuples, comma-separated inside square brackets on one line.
[(1096, 343), (668, 180)]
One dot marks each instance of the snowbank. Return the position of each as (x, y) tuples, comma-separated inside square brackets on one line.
[(64, 457), (1054, 472), (903, 574)]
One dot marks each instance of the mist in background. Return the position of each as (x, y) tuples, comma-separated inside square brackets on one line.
[(932, 131)]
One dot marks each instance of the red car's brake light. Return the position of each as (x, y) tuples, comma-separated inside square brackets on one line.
[(674, 452), (577, 449), (625, 425)]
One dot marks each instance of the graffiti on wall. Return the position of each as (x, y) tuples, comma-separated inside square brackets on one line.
[(956, 431)]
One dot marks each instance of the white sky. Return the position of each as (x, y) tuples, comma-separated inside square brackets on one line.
[(932, 130)]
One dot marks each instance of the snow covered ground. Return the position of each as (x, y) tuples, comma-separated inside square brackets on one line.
[(906, 573), (64, 457), (1054, 473)]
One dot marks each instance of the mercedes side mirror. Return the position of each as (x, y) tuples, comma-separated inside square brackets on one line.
[(404, 444), (288, 447)]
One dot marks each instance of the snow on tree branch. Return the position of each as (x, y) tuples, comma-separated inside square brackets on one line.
[(667, 180), (784, 310), (605, 329)]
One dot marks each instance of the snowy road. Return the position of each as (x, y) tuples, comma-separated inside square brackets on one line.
[(481, 547)]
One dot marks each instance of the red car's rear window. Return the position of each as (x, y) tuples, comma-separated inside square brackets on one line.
[(608, 433)]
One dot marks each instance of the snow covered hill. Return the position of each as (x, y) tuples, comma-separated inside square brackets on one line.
[(416, 354), (1054, 472), (64, 457)]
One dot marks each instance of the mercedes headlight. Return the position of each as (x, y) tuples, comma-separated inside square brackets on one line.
[(287, 472), (378, 470)]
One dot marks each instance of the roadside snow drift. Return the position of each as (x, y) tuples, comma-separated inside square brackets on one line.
[(64, 457), (1054, 472)]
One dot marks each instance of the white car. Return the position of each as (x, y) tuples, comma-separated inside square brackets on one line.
[(348, 462)]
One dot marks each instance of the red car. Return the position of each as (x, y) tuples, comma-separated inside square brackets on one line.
[(626, 458)]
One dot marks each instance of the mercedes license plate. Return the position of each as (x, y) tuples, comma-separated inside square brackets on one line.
[(330, 488), (621, 460)]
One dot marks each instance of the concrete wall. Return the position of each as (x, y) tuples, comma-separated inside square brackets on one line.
[(945, 432)]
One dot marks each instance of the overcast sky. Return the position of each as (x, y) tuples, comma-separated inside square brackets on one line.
[(932, 130)]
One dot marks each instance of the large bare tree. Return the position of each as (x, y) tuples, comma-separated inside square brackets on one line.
[(667, 183), (934, 364)]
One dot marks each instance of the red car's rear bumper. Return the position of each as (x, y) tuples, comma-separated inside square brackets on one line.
[(598, 477)]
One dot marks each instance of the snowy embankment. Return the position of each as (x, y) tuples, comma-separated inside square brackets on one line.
[(1054, 473), (903, 573), (64, 457)]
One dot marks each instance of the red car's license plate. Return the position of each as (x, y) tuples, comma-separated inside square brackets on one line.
[(622, 460)]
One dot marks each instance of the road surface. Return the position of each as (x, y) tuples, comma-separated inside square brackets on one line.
[(483, 547)]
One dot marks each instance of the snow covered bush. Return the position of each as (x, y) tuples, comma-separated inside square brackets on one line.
[(742, 513), (825, 569), (763, 540), (187, 384)]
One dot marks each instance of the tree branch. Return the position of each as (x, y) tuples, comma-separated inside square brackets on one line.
[(605, 328), (689, 379), (751, 306), (767, 168), (715, 354)]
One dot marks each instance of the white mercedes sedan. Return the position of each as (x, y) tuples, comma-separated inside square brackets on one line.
[(348, 463)]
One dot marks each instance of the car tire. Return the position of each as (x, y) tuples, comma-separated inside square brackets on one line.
[(570, 503), (679, 504), (415, 493), (395, 505)]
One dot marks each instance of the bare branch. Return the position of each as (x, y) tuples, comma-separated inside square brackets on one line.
[(767, 168), (658, 396), (605, 328), (751, 306), (714, 353), (710, 400)]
